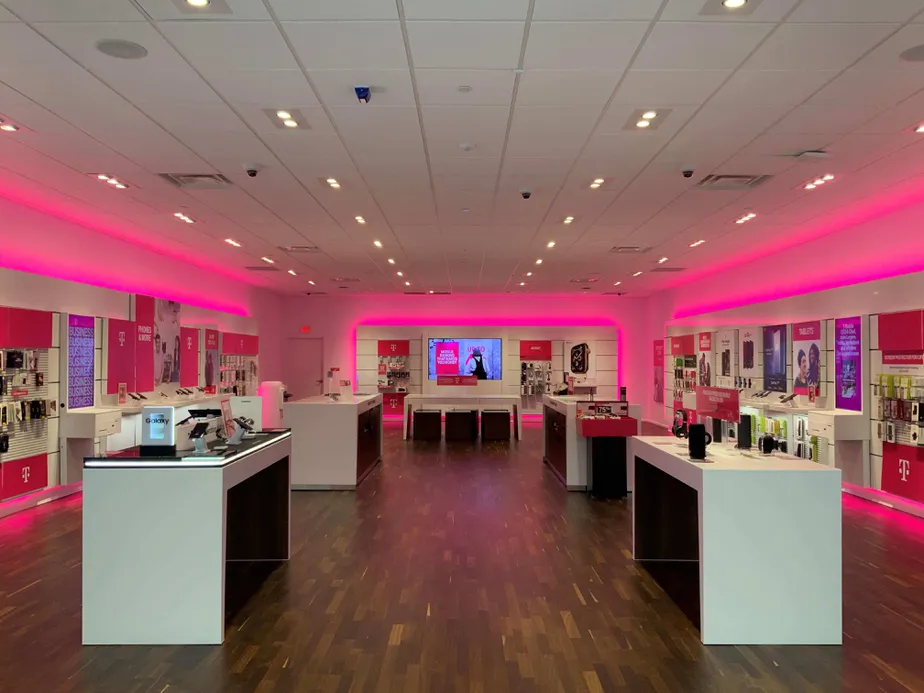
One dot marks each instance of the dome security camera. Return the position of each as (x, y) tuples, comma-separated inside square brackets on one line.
[(526, 194)]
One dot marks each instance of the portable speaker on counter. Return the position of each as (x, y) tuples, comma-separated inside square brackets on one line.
[(744, 432), (717, 430), (698, 439)]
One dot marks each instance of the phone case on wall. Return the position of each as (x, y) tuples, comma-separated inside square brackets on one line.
[(580, 357)]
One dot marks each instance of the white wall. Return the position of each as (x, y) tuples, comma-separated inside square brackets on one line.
[(336, 319)]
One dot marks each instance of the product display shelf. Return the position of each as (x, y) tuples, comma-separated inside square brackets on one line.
[(238, 375), (136, 407)]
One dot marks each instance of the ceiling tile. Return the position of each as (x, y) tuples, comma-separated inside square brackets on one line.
[(471, 9), (483, 127), (348, 45), (855, 11), (441, 87), (699, 45), (646, 88), (595, 9), (886, 88), (566, 87), (354, 9), (783, 87), (823, 47), (270, 88), (389, 87), (590, 45), (7, 16), (74, 11), (885, 55), (452, 44), (218, 45), (827, 119)]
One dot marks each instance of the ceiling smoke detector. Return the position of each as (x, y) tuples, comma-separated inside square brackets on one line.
[(124, 50)]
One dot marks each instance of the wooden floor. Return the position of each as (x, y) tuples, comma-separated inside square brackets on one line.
[(466, 569)]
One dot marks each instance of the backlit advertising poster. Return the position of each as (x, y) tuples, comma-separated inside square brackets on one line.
[(211, 361), (848, 367), (775, 357), (704, 358), (807, 350), (726, 357), (167, 345), (480, 358), (750, 351), (658, 350)]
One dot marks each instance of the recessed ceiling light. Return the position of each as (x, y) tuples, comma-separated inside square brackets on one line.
[(734, 4), (377, 244), (648, 115), (828, 176), (550, 244), (539, 261), (696, 243), (522, 283), (231, 241), (662, 260), (616, 283), (568, 220), (746, 217), (198, 3), (292, 272), (332, 182), (102, 176), (269, 260), (599, 181), (810, 186), (9, 127), (283, 115), (594, 186), (431, 291), (120, 186), (290, 123), (636, 274), (311, 282), (407, 283), (529, 274), (400, 274), (361, 221), (643, 124), (391, 261), (464, 89), (919, 128), (183, 217)]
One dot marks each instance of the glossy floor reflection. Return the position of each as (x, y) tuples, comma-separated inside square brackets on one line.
[(465, 568)]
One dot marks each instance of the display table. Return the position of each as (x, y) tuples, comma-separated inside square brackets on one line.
[(511, 403), (564, 448), (607, 465), (335, 443), (749, 546), (157, 533)]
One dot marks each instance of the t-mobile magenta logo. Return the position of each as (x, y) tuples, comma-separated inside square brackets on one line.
[(26, 473), (904, 468), (189, 343), (121, 339), (394, 347)]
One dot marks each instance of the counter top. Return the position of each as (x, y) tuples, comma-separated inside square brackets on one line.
[(724, 458), (449, 395), (352, 399)]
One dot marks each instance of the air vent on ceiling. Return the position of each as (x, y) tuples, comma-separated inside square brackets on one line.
[(440, 293), (629, 249), (345, 280), (722, 181), (668, 269), (262, 268), (300, 248), (197, 181), (584, 280)]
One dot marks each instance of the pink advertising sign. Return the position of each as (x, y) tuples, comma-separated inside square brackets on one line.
[(458, 380), (120, 356), (848, 364), (903, 471), (144, 345), (717, 402), (189, 357), (447, 358)]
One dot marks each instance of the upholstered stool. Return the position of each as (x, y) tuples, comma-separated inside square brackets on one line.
[(427, 424), (461, 425), (495, 424)]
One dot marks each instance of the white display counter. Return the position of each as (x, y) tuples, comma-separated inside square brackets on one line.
[(335, 442), (511, 403), (563, 448), (749, 546), (157, 533)]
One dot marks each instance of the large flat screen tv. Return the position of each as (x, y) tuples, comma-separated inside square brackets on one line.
[(457, 356)]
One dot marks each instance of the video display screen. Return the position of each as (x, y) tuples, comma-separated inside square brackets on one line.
[(456, 356)]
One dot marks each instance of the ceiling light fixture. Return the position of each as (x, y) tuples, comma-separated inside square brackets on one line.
[(198, 3), (636, 274), (332, 182), (283, 115), (529, 274), (9, 127), (649, 115), (407, 283), (391, 261), (290, 123), (811, 185), (550, 244), (231, 241), (114, 182), (311, 282), (734, 4), (594, 186), (183, 217), (522, 283), (292, 272), (745, 218), (662, 260), (268, 260), (643, 124), (431, 291), (360, 220), (919, 129), (400, 274), (539, 261), (696, 243), (568, 220), (599, 181), (377, 244)]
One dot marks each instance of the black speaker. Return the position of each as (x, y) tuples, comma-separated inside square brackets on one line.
[(717, 430), (744, 432), (699, 439)]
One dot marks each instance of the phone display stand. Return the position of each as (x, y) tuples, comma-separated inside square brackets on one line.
[(237, 436), (200, 448)]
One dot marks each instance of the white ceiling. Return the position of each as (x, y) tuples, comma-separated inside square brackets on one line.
[(554, 84)]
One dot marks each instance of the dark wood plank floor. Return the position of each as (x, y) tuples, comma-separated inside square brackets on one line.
[(459, 570)]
